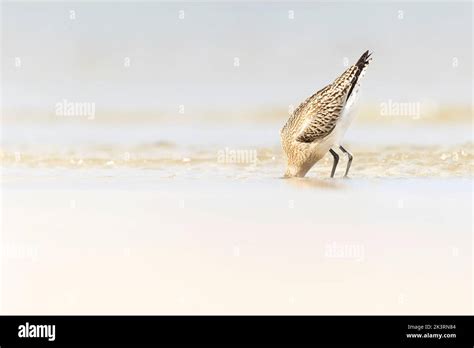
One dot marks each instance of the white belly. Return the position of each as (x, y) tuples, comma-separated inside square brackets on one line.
[(348, 114)]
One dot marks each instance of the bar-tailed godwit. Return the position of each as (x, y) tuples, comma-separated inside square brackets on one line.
[(318, 124)]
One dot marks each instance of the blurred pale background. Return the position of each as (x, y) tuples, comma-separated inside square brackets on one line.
[(130, 210), (286, 51)]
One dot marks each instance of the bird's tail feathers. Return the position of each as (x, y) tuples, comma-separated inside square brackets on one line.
[(364, 60), (361, 65)]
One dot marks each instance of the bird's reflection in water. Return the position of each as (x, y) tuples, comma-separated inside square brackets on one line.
[(333, 184)]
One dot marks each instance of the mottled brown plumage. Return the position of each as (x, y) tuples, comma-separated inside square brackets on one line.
[(315, 126)]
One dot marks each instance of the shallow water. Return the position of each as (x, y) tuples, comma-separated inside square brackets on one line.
[(231, 152), (157, 215)]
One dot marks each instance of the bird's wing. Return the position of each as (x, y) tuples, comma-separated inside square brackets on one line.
[(322, 110), (321, 115)]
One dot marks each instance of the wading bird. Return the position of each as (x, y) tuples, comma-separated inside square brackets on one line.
[(318, 124)]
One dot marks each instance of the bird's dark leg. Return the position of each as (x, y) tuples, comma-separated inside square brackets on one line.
[(349, 155), (336, 159)]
